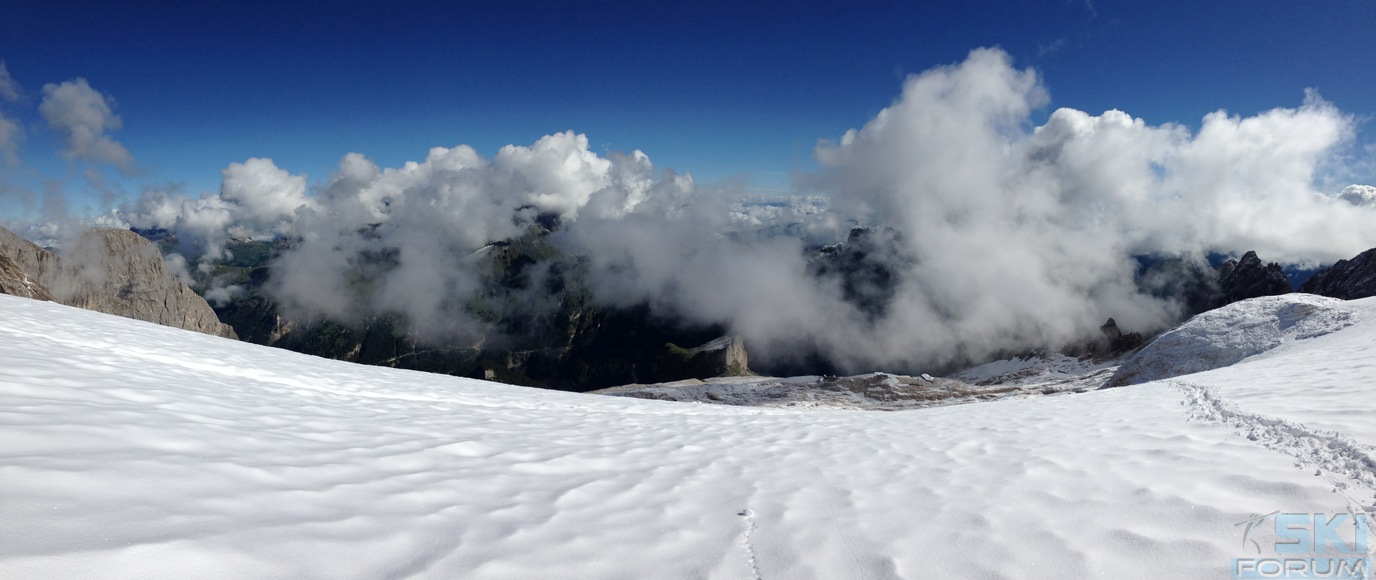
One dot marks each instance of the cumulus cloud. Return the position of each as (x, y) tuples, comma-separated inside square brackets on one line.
[(990, 234), (267, 196), (257, 200), (83, 116), (1360, 195), (1011, 238), (411, 231)]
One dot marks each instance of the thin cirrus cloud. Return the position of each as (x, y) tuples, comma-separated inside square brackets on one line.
[(1010, 235)]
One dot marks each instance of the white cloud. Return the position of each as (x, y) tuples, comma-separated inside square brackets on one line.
[(10, 135), (1010, 236), (425, 215), (1011, 239), (82, 116), (9, 89), (556, 174), (257, 200), (1360, 195), (429, 216), (268, 196)]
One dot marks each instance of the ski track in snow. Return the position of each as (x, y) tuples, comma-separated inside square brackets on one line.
[(748, 542), (1345, 463)]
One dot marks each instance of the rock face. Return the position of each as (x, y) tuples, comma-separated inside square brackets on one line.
[(1115, 342), (15, 282), (867, 265), (1199, 287), (1249, 278), (722, 357), (1347, 279), (115, 272), (38, 263), (538, 325), (1192, 283)]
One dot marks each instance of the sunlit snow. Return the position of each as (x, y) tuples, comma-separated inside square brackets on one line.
[(129, 450)]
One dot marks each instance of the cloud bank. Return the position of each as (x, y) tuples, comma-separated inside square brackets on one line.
[(1001, 235)]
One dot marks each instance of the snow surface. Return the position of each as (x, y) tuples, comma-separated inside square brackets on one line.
[(129, 450), (1221, 337)]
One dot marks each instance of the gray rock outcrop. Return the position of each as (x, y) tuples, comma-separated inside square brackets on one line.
[(116, 272), (1248, 277), (723, 357), (868, 266), (15, 282), (1347, 279), (1115, 342), (38, 263)]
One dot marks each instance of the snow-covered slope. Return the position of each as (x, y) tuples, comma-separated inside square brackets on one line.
[(1224, 336), (129, 450)]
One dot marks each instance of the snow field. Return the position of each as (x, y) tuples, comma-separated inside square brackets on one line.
[(129, 450)]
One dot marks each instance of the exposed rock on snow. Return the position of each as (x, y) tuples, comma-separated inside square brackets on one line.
[(1222, 337), (1044, 373), (872, 392), (1347, 279)]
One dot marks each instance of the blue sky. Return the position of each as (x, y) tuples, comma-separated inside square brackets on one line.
[(715, 88)]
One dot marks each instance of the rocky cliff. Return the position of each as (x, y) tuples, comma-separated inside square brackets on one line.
[(1347, 279), (1248, 277), (116, 272), (39, 264), (867, 266), (15, 282), (540, 326), (722, 357)]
